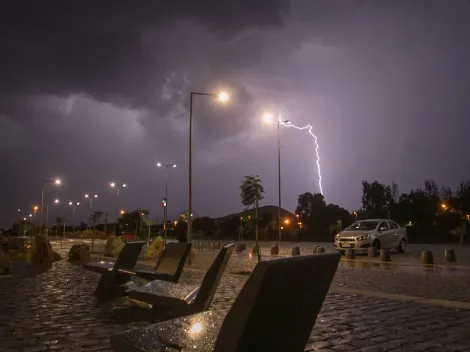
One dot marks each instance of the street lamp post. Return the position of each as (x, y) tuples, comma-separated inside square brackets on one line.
[(223, 97), (269, 118), (44, 182), (118, 187), (90, 198), (73, 205), (165, 207)]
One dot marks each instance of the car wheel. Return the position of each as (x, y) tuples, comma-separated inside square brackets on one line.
[(376, 245), (402, 246)]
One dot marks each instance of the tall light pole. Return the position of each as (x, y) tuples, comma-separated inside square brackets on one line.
[(165, 206), (222, 97), (44, 182), (117, 186), (73, 204), (35, 209), (90, 198), (268, 118)]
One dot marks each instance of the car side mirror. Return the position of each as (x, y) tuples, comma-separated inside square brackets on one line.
[(382, 229)]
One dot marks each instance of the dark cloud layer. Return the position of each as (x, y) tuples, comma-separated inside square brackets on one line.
[(95, 91)]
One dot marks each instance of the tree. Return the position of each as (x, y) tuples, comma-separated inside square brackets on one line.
[(251, 192), (143, 213), (463, 197), (204, 224), (311, 210), (95, 216), (376, 199), (431, 188)]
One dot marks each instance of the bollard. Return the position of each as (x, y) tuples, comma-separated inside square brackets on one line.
[(218, 245), (385, 255), (320, 250), (315, 248), (450, 256), (427, 258), (240, 247), (295, 250), (372, 252), (275, 250), (254, 250), (350, 254)]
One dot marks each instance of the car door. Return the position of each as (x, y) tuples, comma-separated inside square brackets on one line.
[(384, 234), (395, 235)]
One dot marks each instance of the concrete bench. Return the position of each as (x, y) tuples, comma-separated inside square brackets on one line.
[(169, 264), (113, 283), (182, 299), (276, 310)]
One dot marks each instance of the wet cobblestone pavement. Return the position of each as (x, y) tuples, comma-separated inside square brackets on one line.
[(55, 310)]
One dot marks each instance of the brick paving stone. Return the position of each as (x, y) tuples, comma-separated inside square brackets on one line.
[(55, 310)]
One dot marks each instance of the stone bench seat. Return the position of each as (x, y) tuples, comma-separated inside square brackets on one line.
[(183, 299), (169, 265), (100, 267), (276, 311)]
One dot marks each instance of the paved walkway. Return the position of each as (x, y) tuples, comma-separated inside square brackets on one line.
[(368, 309)]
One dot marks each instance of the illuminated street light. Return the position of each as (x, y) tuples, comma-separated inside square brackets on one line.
[(165, 207), (222, 97), (118, 187), (286, 221), (268, 118), (56, 201), (90, 198), (73, 204), (56, 182), (444, 206), (122, 212)]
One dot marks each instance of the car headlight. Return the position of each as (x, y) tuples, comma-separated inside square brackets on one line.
[(363, 237), (337, 237)]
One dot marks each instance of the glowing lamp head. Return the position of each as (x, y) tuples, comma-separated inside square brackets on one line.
[(86, 195), (286, 221), (122, 212), (174, 165), (70, 203), (30, 215), (222, 97), (78, 203), (95, 196), (36, 208), (288, 122), (268, 118), (124, 185), (56, 201), (112, 184), (159, 164), (57, 182), (19, 209), (24, 219)]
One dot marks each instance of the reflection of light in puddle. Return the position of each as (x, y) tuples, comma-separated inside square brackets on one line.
[(196, 328)]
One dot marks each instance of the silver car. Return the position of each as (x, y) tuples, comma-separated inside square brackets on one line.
[(378, 233)]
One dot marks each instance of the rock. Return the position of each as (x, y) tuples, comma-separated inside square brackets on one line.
[(5, 262), (79, 252), (372, 252), (113, 246), (350, 254), (320, 250), (275, 250), (41, 251), (19, 255), (450, 256), (385, 255), (240, 247), (427, 258), (154, 249), (295, 250)]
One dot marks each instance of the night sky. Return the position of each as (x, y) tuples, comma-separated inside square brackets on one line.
[(94, 93)]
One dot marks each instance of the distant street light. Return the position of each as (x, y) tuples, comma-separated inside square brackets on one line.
[(122, 212), (268, 118), (165, 205), (223, 97), (118, 187), (56, 182), (56, 201), (90, 198), (73, 204)]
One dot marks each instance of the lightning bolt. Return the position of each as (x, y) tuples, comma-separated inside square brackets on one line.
[(309, 128)]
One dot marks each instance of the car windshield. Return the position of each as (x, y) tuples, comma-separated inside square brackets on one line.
[(362, 226)]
